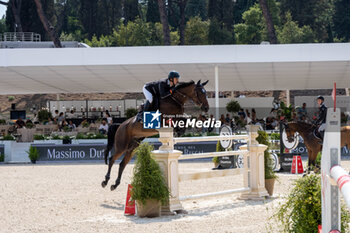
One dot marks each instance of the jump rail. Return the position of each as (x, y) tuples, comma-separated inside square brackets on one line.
[(253, 171)]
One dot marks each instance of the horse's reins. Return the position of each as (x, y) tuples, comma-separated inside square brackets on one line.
[(184, 96)]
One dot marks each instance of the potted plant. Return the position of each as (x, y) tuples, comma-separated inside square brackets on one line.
[(33, 154), (66, 140), (149, 188), (270, 175)]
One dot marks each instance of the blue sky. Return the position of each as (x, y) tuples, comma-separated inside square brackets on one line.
[(2, 9)]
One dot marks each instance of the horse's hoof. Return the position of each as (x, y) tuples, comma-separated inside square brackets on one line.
[(103, 184), (113, 187)]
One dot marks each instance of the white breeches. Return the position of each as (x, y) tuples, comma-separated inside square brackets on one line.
[(147, 94)]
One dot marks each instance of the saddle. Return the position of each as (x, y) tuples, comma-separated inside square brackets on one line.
[(317, 135)]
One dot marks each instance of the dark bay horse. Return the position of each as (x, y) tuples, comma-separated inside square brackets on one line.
[(313, 143), (131, 132)]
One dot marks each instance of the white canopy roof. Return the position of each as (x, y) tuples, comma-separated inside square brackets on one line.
[(127, 69)]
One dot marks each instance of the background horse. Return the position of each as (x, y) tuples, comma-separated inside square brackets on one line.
[(313, 143), (131, 132)]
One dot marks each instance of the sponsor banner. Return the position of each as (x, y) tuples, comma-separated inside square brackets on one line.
[(69, 152)]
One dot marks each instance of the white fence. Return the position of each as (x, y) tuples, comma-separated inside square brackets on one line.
[(253, 170)]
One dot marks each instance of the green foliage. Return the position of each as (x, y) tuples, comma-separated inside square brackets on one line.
[(286, 111), (33, 153), (85, 124), (302, 210), (219, 35), (290, 32), (29, 125), (3, 27), (80, 136), (318, 159), (275, 136), (263, 138), (342, 19), (11, 98), (196, 32), (66, 128), (218, 149), (251, 31), (8, 137), (233, 106), (39, 137), (56, 137), (130, 112), (211, 134), (2, 122), (44, 115), (66, 137), (2, 158), (196, 8), (148, 181), (313, 13)]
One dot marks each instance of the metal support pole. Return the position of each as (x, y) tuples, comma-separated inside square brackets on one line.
[(217, 94)]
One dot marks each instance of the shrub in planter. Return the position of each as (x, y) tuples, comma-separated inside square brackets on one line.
[(130, 112), (29, 125), (44, 115), (66, 140), (2, 122), (56, 137), (8, 137), (233, 106), (33, 154), (302, 210), (148, 181), (39, 137), (80, 136)]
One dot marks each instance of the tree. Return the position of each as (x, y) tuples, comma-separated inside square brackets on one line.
[(15, 6), (341, 19), (221, 16), (50, 29), (197, 8), (290, 32), (182, 6), (197, 31), (269, 22), (3, 25), (164, 21), (251, 31), (315, 13), (131, 10), (152, 11)]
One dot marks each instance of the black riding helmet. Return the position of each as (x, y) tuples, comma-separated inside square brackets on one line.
[(173, 74), (320, 97)]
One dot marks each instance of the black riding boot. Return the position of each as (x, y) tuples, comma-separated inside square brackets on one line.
[(146, 107)]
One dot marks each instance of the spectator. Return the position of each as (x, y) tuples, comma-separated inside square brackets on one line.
[(109, 118), (103, 129), (241, 113), (62, 124), (302, 113), (20, 123), (71, 114), (222, 119), (72, 126), (55, 115), (210, 129), (254, 115), (60, 118), (228, 119)]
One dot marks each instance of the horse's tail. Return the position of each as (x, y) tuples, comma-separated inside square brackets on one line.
[(112, 129)]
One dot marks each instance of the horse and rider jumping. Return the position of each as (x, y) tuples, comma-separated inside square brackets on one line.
[(166, 95)]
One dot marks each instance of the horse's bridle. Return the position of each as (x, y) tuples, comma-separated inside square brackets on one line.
[(184, 96)]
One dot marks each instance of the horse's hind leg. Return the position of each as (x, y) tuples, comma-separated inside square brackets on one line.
[(110, 164), (127, 157)]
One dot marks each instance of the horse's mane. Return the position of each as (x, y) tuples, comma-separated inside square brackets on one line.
[(181, 85), (302, 124)]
